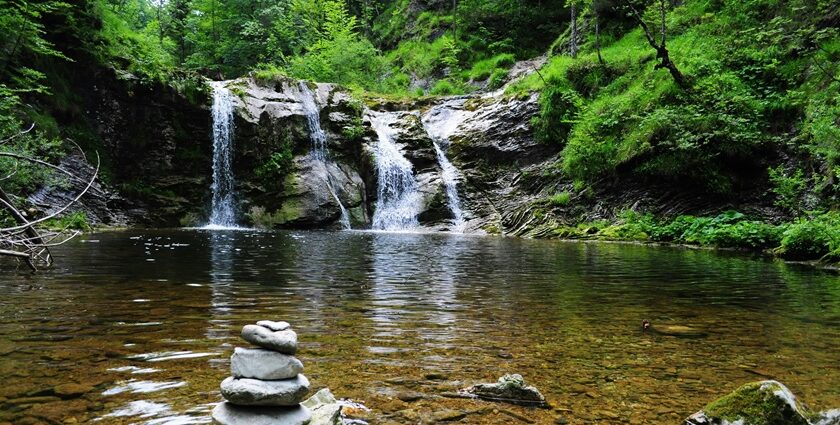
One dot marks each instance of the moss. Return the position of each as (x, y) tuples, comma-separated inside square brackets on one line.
[(756, 403)]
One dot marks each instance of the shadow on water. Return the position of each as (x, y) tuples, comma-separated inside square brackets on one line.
[(138, 326)]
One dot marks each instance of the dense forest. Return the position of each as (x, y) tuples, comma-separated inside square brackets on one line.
[(715, 96)]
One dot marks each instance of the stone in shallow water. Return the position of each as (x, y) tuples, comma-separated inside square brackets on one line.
[(253, 392), (756, 403), (283, 341), (274, 326), (510, 389), (259, 363), (326, 410), (230, 414)]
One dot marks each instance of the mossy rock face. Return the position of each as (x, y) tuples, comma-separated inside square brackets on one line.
[(756, 403)]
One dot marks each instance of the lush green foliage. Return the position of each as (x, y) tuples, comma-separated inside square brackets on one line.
[(75, 221), (809, 238)]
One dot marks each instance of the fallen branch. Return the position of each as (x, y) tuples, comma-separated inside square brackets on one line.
[(23, 240)]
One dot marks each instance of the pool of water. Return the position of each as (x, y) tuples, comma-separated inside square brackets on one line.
[(137, 327)]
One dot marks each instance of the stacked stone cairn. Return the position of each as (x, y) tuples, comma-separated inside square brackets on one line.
[(267, 385)]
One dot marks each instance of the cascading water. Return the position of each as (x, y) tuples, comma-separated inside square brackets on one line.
[(223, 211), (319, 144), (398, 200), (440, 122)]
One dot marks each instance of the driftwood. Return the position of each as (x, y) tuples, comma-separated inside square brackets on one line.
[(24, 240)]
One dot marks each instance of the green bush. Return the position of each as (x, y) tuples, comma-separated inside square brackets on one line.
[(561, 199), (559, 108), (788, 189), (498, 78), (589, 76), (444, 88), (483, 69), (811, 239), (73, 221)]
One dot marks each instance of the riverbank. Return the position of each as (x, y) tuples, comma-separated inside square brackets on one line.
[(813, 239)]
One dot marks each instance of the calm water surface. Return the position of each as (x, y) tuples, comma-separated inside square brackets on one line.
[(137, 327)]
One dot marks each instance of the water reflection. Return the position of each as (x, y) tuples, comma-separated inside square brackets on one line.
[(384, 315)]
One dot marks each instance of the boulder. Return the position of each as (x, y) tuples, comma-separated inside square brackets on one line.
[(259, 363), (253, 392), (283, 341), (510, 389), (326, 410), (756, 403), (230, 414)]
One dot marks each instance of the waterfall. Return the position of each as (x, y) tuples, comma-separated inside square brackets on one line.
[(398, 200), (450, 183), (223, 209), (319, 144), (440, 122)]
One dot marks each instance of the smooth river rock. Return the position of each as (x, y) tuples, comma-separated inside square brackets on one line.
[(230, 414), (274, 326), (259, 363), (283, 341), (253, 392)]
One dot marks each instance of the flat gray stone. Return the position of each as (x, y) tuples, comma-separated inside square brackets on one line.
[(274, 326), (253, 392), (259, 363), (230, 414), (283, 341)]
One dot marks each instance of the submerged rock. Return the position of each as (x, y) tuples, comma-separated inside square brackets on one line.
[(230, 414), (253, 392), (510, 389), (326, 410), (283, 341), (263, 364), (756, 403)]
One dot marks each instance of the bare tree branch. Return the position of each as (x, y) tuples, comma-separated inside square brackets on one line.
[(23, 240), (20, 133)]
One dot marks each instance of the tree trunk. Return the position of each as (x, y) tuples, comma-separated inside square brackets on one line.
[(573, 47), (597, 36)]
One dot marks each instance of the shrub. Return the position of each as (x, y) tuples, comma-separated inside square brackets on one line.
[(588, 76), (73, 221), (559, 108), (788, 189), (444, 88), (498, 78), (811, 239), (561, 199)]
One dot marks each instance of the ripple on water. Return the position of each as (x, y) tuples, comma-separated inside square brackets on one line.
[(143, 387), (415, 313), (169, 355), (134, 369)]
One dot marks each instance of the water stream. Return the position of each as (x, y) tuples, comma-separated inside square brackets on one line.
[(319, 144), (440, 122), (398, 200), (223, 209)]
